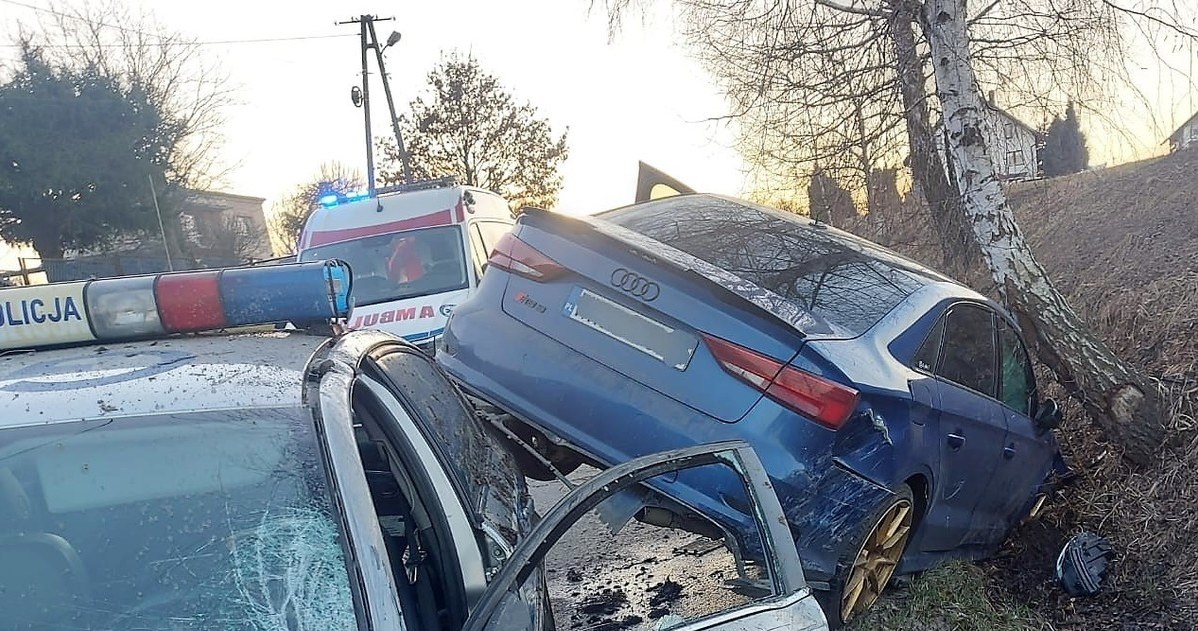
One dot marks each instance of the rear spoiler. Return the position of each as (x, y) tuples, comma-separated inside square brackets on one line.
[(773, 305), (652, 183)]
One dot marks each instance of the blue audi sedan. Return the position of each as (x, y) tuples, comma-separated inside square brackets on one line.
[(895, 410)]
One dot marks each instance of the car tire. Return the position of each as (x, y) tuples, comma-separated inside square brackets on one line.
[(867, 564)]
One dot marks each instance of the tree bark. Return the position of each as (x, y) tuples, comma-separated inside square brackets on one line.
[(1118, 396), (927, 168)]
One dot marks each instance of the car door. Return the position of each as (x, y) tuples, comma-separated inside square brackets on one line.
[(780, 597), (971, 423), (1027, 454), (444, 504)]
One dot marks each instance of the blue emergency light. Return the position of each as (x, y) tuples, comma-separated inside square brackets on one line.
[(178, 302), (336, 199)]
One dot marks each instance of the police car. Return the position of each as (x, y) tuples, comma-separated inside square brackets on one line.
[(156, 476)]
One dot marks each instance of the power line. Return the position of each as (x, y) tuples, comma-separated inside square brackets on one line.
[(262, 40), (76, 17), (258, 40)]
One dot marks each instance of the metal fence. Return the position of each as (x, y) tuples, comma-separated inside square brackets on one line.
[(34, 271), (59, 270)]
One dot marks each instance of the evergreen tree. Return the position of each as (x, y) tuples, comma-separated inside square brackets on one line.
[(76, 149), (1065, 149)]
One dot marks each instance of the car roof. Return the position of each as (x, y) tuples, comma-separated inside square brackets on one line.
[(728, 219), (164, 376), (729, 204), (397, 211)]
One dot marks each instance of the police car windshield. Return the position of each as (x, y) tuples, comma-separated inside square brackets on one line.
[(401, 264), (212, 520)]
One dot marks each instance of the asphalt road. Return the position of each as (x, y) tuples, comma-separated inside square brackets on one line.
[(636, 579)]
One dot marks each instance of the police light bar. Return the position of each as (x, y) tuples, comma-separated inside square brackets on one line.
[(134, 307)]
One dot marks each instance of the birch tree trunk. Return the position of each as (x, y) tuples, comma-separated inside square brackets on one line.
[(1116, 395), (927, 166)]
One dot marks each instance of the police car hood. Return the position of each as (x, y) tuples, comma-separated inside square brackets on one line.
[(207, 372)]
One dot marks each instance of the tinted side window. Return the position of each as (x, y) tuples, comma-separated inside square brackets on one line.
[(928, 354), (844, 282), (491, 232), (1017, 383), (969, 356)]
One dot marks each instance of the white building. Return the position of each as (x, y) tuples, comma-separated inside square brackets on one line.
[(1014, 147), (1186, 136), (225, 225)]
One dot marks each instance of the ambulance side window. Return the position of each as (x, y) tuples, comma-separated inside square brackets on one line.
[(484, 235), (478, 251)]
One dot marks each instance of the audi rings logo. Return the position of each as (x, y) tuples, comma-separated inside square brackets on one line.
[(636, 285)]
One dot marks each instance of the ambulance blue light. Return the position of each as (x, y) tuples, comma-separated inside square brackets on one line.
[(336, 199), (136, 307)]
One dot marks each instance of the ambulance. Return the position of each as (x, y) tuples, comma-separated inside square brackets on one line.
[(416, 251)]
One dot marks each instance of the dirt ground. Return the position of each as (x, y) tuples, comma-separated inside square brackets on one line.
[(639, 579)]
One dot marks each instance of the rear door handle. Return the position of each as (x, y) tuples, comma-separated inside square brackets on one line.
[(956, 441), (1008, 452)]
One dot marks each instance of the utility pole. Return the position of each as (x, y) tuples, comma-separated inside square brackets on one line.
[(166, 247), (368, 40), (378, 53)]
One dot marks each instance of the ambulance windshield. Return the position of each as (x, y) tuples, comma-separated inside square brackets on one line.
[(400, 265)]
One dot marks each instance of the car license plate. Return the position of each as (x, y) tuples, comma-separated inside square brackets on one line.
[(666, 344)]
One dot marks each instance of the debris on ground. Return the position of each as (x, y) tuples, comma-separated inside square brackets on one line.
[(1083, 564), (664, 593), (604, 603)]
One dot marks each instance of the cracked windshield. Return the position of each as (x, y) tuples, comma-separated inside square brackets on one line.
[(217, 520), (923, 274)]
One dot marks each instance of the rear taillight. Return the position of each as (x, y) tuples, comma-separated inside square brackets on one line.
[(518, 257), (825, 402)]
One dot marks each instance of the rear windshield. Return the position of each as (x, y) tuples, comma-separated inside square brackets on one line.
[(836, 278), (401, 264)]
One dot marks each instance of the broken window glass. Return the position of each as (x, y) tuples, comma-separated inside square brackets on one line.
[(208, 520)]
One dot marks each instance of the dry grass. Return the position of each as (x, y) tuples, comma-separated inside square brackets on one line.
[(954, 597), (1122, 245)]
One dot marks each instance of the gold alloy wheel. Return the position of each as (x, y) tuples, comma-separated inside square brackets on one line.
[(876, 560)]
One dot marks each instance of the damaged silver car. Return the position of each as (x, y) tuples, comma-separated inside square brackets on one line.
[(283, 480)]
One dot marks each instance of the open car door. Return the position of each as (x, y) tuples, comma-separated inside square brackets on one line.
[(746, 572)]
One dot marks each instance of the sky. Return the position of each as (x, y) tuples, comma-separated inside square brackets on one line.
[(634, 96)]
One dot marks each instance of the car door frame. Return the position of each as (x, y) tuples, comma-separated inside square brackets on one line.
[(328, 385), (333, 373), (480, 256), (1017, 463), (786, 572), (938, 538)]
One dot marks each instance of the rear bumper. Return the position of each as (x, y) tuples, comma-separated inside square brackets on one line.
[(612, 419)]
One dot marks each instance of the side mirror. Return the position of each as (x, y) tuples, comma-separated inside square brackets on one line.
[(1048, 417)]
